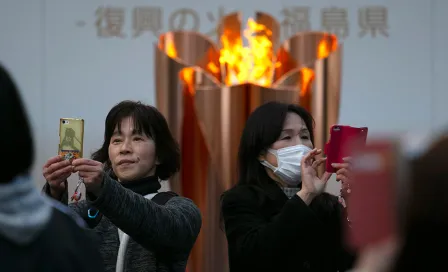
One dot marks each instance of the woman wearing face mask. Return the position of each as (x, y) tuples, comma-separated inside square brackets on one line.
[(278, 217)]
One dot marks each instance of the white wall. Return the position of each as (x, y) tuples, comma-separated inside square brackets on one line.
[(392, 84)]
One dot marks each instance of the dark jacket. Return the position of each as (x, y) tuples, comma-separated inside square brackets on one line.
[(266, 231), (161, 236), (37, 235)]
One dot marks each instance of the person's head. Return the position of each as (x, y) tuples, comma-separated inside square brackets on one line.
[(272, 126), (425, 220), (138, 143), (427, 203), (16, 138)]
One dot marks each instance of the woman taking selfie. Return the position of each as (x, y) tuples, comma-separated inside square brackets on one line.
[(278, 217), (147, 230)]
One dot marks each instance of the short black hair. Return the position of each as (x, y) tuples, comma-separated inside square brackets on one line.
[(16, 137), (263, 127), (148, 120)]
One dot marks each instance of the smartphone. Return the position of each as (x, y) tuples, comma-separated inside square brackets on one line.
[(71, 138), (340, 137), (372, 203)]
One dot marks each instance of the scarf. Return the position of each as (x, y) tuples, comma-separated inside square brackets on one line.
[(24, 212)]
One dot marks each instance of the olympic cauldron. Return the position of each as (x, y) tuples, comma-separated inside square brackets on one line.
[(206, 91)]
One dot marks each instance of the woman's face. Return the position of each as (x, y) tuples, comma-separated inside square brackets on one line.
[(132, 154), (294, 132)]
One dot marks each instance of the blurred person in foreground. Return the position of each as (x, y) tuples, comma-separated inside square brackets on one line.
[(422, 219), (140, 229), (278, 217), (36, 234)]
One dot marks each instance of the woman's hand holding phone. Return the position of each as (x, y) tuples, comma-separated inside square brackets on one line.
[(91, 172), (56, 171), (343, 175)]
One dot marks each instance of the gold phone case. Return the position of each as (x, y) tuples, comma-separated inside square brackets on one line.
[(71, 138)]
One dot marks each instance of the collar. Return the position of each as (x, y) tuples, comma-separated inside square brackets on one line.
[(24, 213), (273, 189), (290, 192), (144, 186)]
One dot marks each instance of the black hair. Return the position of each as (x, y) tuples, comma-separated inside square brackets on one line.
[(148, 120), (16, 138), (263, 128), (426, 215)]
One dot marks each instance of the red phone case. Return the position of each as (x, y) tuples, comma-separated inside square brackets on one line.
[(371, 206), (340, 137)]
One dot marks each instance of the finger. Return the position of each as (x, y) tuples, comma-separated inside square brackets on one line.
[(340, 165), (343, 171), (342, 178), (348, 159), (85, 161), (326, 176), (84, 175), (306, 158), (53, 160), (318, 162), (86, 168), (56, 166), (310, 156), (60, 174), (88, 176)]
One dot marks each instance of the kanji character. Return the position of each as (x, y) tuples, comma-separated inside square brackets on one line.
[(178, 19), (373, 19), (110, 21), (296, 19), (216, 20), (335, 20), (147, 19)]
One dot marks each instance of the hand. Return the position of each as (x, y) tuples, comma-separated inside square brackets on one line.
[(344, 174), (56, 171), (312, 185), (91, 172)]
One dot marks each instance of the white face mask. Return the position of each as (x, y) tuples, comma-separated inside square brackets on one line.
[(288, 161)]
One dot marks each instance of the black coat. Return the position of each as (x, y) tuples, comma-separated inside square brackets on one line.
[(61, 246), (266, 231)]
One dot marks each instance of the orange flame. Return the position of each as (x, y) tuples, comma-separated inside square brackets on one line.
[(307, 77), (327, 45), (212, 67), (255, 63), (324, 49), (186, 75), (170, 48), (251, 64)]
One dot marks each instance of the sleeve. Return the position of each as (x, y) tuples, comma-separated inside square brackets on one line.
[(64, 197), (257, 240), (173, 226)]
